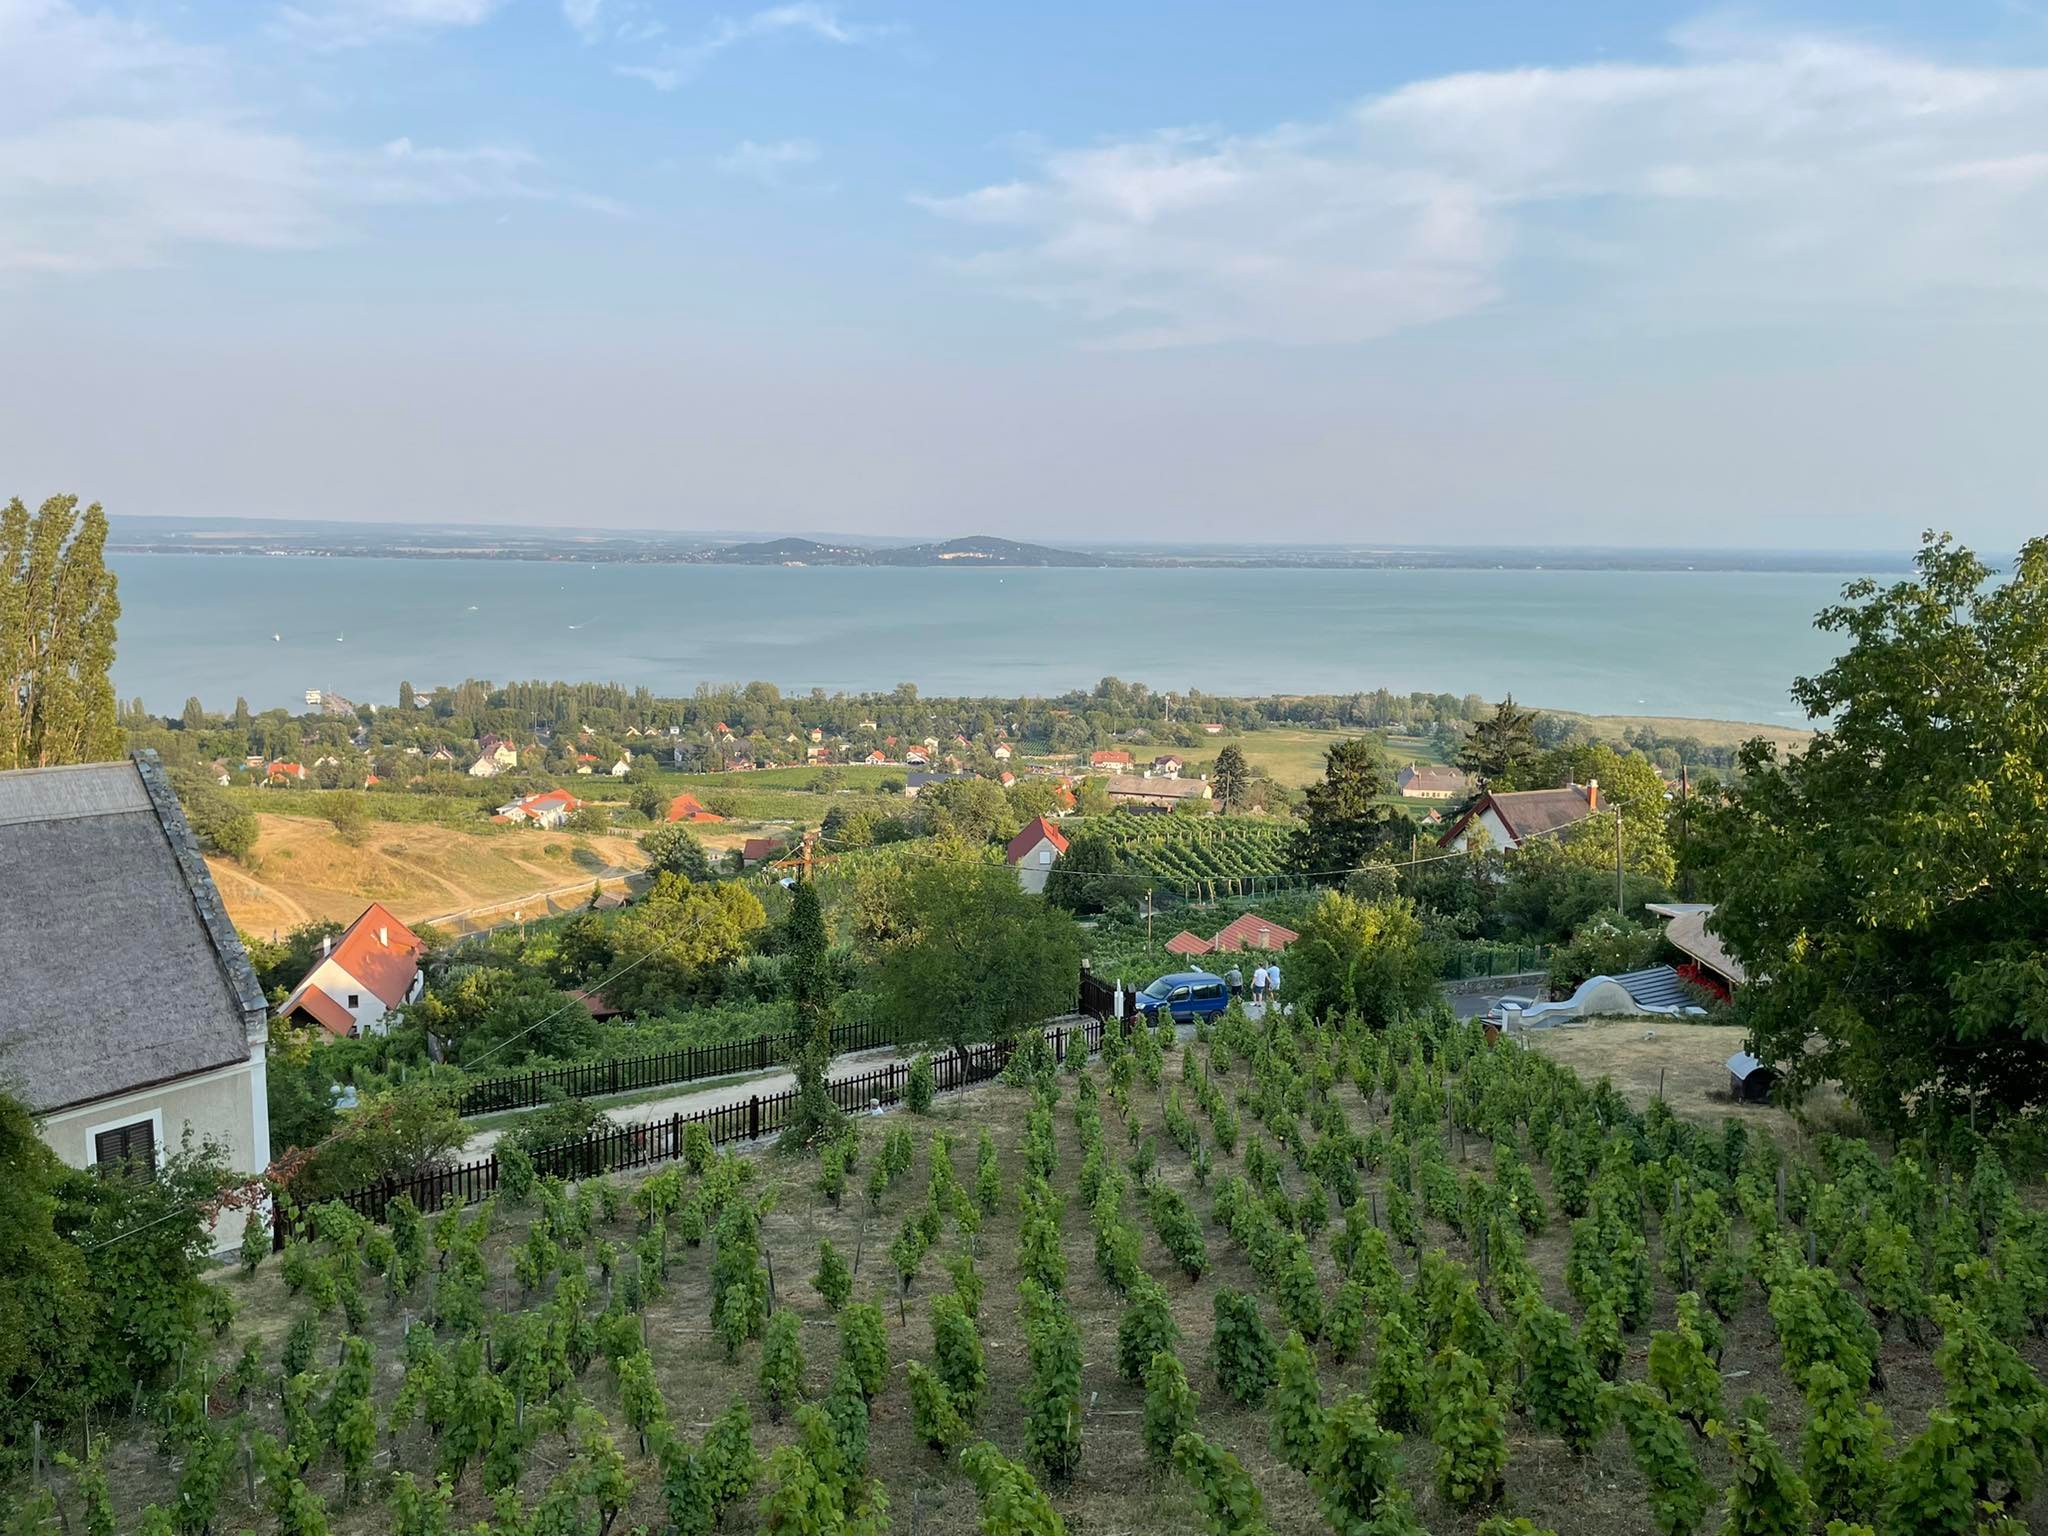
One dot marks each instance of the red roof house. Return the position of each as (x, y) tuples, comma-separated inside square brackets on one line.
[(1114, 758), (687, 807), (1032, 852), (372, 968)]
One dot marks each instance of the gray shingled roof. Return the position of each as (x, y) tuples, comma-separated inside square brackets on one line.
[(118, 967)]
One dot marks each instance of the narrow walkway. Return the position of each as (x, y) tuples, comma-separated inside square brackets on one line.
[(690, 1098)]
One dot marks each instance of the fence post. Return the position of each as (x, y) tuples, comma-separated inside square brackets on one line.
[(753, 1117), (675, 1135)]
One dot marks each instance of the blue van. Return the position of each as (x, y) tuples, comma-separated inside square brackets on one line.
[(1185, 995)]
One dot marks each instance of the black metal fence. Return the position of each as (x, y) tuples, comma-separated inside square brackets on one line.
[(589, 1079), (637, 1146)]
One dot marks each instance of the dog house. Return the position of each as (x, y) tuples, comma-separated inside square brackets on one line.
[(1749, 1080)]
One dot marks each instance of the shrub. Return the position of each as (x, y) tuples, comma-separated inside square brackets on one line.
[(1357, 1476), (1297, 1421), (957, 1355), (697, 1149), (1679, 1368), (1766, 1497), (1398, 1393), (1846, 1448), (782, 1363), (1011, 1503), (988, 1177), (1344, 1324), (1146, 1329), (966, 1282), (515, 1172), (1230, 1499), (1169, 1406), (864, 1345), (1052, 1401), (922, 1086), (832, 1173), (1242, 1350), (1469, 1430), (1560, 1389), (934, 1412), (833, 1280)]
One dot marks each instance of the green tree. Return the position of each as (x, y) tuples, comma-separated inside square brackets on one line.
[(1090, 876), (57, 617), (978, 957), (1500, 751), (1882, 887), (672, 848), (1231, 779), (810, 991), (676, 937), (1361, 957), (973, 810), (1347, 821), (193, 717), (46, 1302)]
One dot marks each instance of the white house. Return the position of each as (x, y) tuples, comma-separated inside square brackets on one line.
[(1002, 752), (372, 968), (493, 758), (1033, 851), (547, 810), (1512, 816), (131, 1013), (622, 767)]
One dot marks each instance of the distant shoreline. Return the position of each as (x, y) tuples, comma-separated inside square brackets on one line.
[(1703, 562)]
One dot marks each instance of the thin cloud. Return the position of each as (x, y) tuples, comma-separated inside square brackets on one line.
[(766, 163), (147, 154), (1752, 172), (674, 64), (340, 24)]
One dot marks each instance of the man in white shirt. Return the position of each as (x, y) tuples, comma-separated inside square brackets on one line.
[(1259, 985)]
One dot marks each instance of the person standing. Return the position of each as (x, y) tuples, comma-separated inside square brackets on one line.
[(1234, 979), (1273, 980), (1259, 984)]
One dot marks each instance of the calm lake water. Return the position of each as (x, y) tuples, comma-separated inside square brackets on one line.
[(1722, 645)]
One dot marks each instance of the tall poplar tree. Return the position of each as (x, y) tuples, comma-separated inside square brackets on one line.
[(57, 613), (810, 990)]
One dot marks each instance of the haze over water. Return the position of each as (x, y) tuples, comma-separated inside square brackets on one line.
[(1721, 645)]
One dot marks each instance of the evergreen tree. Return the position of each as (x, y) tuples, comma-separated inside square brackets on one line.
[(1501, 749), (1346, 818), (815, 1116), (57, 615), (1231, 779)]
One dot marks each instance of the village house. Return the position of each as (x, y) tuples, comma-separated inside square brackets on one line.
[(283, 773), (1002, 752), (1512, 816), (132, 1017), (687, 807), (1033, 851), (1429, 781), (1159, 794), (758, 850), (876, 758), (547, 810), (1688, 927), (622, 767), (1114, 758), (1212, 727), (917, 755), (372, 968), (493, 758), (441, 755), (1167, 767), (1007, 779), (1250, 931)]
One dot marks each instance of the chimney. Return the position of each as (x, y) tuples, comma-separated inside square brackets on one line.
[(326, 945), (384, 936), (1592, 794)]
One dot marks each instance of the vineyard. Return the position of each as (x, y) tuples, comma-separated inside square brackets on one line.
[(1201, 858), (1304, 1280)]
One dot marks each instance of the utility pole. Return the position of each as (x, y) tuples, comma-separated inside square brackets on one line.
[(1148, 917), (1620, 910)]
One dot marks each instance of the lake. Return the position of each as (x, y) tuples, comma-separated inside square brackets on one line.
[(1719, 645)]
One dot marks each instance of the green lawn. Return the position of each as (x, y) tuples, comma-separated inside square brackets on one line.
[(1294, 755)]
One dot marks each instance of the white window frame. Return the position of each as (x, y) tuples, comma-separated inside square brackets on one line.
[(155, 1117)]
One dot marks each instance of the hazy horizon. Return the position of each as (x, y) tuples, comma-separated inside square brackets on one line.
[(1598, 275)]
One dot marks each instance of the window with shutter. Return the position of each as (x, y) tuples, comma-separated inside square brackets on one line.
[(127, 1149)]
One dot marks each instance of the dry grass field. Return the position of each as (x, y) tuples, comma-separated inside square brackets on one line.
[(304, 872)]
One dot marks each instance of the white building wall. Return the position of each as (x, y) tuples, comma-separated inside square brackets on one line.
[(1036, 865)]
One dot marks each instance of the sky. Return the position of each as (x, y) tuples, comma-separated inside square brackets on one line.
[(1421, 272)]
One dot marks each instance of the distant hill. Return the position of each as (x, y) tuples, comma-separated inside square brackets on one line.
[(978, 549)]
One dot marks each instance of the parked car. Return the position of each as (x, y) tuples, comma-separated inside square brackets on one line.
[(1185, 995)]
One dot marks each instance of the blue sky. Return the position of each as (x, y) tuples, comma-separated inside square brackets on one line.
[(1602, 273)]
